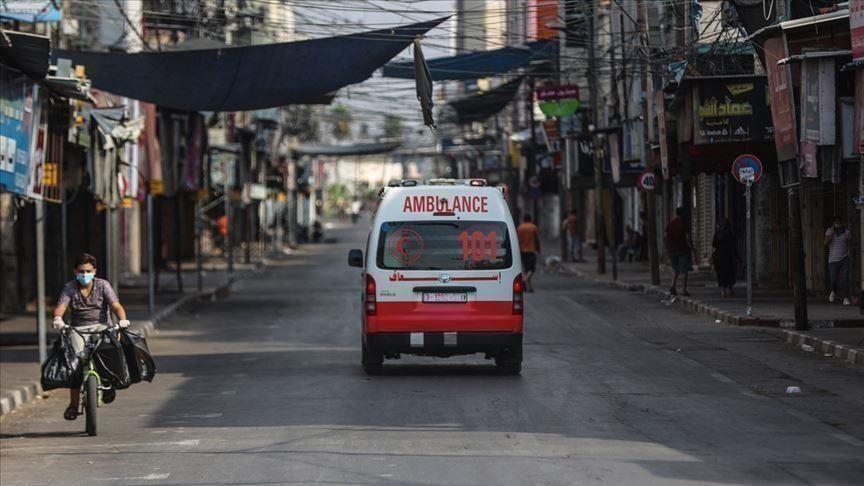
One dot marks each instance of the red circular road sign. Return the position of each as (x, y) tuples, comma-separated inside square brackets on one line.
[(747, 168), (646, 181)]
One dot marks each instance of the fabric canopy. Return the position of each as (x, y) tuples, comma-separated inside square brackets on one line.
[(477, 64), (29, 53), (481, 106), (248, 77)]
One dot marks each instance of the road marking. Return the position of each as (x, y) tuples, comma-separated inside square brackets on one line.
[(628, 335), (848, 439), (149, 477), (181, 443), (229, 392), (597, 319), (801, 416), (684, 359), (204, 415), (722, 378)]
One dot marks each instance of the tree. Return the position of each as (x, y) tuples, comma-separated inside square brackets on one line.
[(299, 121), (393, 126), (341, 120)]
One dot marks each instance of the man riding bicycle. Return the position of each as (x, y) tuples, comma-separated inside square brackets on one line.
[(90, 300)]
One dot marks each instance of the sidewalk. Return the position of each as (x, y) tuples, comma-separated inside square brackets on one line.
[(19, 355), (834, 329)]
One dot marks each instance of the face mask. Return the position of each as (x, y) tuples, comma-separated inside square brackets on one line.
[(84, 278)]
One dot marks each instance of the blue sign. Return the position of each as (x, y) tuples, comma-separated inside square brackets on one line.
[(747, 168), (19, 114)]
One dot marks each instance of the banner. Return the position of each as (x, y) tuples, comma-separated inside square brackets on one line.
[(782, 105), (856, 27), (19, 119), (731, 110), (817, 101)]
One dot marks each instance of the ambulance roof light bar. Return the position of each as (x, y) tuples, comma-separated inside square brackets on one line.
[(457, 182), (402, 183)]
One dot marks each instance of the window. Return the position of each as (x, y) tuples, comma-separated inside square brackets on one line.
[(450, 245)]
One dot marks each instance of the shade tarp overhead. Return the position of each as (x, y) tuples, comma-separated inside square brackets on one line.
[(247, 77), (354, 149), (29, 53), (476, 64), (481, 106)]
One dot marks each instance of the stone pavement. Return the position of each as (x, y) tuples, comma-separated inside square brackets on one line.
[(834, 329), (19, 355)]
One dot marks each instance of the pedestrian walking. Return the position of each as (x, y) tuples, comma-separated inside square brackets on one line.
[(572, 228), (91, 301), (724, 257), (356, 207), (529, 247), (837, 239), (680, 248)]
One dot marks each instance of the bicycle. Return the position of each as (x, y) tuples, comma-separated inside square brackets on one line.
[(93, 394)]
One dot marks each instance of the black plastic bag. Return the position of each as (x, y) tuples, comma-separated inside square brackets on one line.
[(62, 368), (138, 359), (110, 362)]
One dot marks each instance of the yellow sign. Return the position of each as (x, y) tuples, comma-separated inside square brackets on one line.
[(157, 188), (739, 88)]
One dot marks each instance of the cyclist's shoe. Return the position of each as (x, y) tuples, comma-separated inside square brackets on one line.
[(108, 395), (71, 413)]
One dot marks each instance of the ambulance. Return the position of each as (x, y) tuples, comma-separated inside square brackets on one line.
[(442, 275)]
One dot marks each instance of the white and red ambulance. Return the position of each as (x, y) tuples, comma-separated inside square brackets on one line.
[(442, 275)]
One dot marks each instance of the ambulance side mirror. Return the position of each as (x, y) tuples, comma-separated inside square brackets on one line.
[(355, 258)]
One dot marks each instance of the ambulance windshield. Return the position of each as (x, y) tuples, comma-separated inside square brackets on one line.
[(440, 245)]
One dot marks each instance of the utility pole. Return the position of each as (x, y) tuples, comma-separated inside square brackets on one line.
[(41, 325), (599, 221), (648, 116), (799, 281)]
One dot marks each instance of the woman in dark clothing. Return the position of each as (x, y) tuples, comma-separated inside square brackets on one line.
[(725, 257)]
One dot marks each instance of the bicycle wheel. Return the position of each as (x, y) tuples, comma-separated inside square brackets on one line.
[(91, 402)]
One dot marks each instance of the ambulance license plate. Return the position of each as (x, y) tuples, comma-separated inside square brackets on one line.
[(445, 297)]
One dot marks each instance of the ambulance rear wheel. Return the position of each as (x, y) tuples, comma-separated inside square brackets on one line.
[(509, 362), (373, 361)]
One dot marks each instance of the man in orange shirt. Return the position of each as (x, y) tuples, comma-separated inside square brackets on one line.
[(529, 247)]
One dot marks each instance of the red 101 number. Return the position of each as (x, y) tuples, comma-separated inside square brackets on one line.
[(478, 247)]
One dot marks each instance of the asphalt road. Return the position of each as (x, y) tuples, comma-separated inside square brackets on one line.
[(265, 387)]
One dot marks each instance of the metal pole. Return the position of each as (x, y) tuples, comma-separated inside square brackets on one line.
[(41, 326), (198, 257), (229, 238), (599, 219), (151, 259), (748, 194), (799, 282), (64, 230)]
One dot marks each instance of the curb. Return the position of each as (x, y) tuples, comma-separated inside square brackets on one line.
[(26, 392), (725, 317), (824, 346)]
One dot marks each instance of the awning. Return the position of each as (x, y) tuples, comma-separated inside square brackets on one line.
[(29, 11), (814, 55), (478, 64), (481, 106), (795, 24), (29, 53), (354, 149), (247, 77), (73, 88)]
